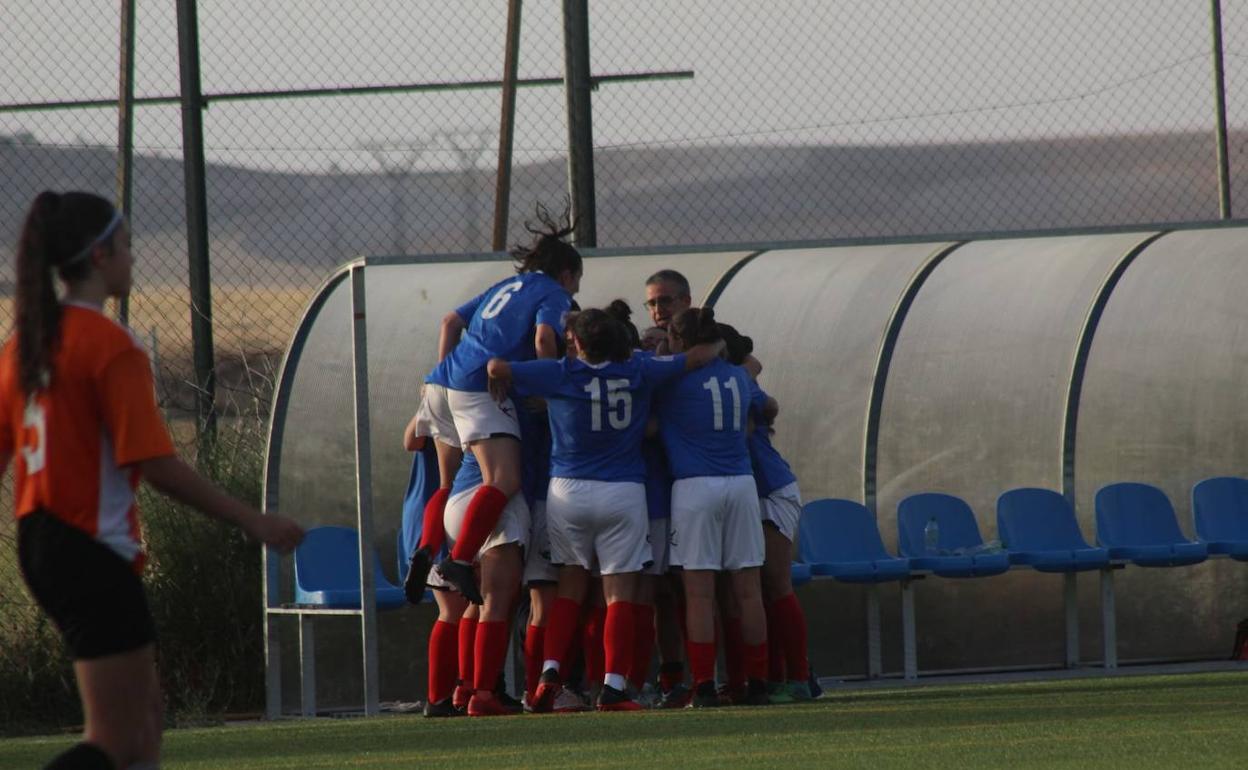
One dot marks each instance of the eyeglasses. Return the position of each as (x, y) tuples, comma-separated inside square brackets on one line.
[(663, 300)]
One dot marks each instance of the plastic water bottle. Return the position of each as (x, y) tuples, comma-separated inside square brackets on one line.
[(931, 536)]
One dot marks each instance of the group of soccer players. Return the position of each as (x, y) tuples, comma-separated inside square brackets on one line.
[(627, 480)]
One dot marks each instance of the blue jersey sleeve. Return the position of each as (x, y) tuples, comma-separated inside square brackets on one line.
[(553, 310), (537, 378), (758, 399), (467, 310), (660, 370)]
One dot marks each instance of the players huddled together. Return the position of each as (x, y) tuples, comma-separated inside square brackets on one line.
[(627, 480)]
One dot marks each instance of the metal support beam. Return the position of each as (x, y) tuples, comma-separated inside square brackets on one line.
[(507, 128), (910, 656), (1070, 599), (364, 492), (1219, 97), (580, 121), (875, 664), (1109, 620), (125, 128), (196, 219), (307, 666)]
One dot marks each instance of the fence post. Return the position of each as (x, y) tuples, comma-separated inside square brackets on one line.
[(507, 127), (580, 121), (1219, 96), (196, 219), (125, 129)]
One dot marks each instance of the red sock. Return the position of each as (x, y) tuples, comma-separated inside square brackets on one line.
[(484, 510), (756, 661), (592, 644), (491, 648), (775, 650), (619, 628), (443, 640), (734, 652), (559, 630), (467, 643), (432, 534), (533, 639), (792, 640), (643, 645), (701, 661)]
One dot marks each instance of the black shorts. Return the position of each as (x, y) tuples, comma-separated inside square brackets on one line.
[(91, 593)]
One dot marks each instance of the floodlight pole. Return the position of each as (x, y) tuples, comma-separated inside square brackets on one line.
[(196, 219), (1219, 96), (125, 128), (577, 85), (507, 127)]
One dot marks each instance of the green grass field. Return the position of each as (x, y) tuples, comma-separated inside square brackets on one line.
[(1195, 720)]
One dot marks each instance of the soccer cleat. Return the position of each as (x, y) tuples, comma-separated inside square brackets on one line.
[(816, 690), (443, 708), (547, 691), (731, 696), (779, 692), (798, 692), (611, 699), (569, 701), (675, 698), (417, 573), (755, 694), (461, 695), (484, 704), (705, 696), (462, 578), (504, 697)]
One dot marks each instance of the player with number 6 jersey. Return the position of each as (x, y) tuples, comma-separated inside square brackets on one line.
[(517, 319), (596, 504), (715, 523)]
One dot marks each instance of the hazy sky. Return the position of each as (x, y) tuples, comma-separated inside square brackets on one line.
[(776, 72)]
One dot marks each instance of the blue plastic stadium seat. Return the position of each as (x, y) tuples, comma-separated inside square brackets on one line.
[(327, 571), (800, 574), (958, 530), (1220, 511), (1039, 530), (840, 538), (1136, 522)]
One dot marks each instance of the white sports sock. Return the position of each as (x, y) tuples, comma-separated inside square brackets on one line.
[(617, 681), (549, 665)]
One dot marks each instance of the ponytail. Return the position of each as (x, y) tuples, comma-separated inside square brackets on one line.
[(696, 325), (620, 311), (60, 232), (549, 252)]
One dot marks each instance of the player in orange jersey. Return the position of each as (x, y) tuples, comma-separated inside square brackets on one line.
[(78, 416)]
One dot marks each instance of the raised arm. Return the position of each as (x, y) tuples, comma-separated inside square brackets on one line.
[(546, 341), (448, 337)]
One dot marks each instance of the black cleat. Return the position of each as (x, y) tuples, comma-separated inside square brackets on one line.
[(675, 698), (417, 573), (504, 697), (443, 708), (755, 694), (462, 579), (705, 696)]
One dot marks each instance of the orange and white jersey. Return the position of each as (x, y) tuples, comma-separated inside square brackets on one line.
[(76, 442)]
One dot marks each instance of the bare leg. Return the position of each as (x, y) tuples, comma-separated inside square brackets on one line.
[(122, 705)]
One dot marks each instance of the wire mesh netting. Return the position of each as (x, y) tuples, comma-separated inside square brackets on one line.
[(737, 122)]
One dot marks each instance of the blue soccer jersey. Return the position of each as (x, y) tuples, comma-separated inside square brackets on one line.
[(658, 479), (502, 322), (702, 419), (771, 471), (469, 475), (535, 441), (598, 412)]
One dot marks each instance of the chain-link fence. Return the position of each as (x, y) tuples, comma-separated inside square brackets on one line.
[(339, 129)]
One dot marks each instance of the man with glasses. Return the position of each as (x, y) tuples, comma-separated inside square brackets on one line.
[(667, 293)]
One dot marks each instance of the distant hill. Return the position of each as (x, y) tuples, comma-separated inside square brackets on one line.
[(267, 224)]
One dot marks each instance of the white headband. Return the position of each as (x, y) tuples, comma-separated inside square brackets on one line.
[(107, 233)]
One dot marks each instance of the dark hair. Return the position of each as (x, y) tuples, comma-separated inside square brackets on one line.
[(620, 311), (696, 325), (739, 346), (601, 337), (59, 232), (673, 277), (548, 252)]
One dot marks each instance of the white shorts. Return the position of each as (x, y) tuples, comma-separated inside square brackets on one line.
[(435, 581), (598, 524), (433, 416), (660, 549), (513, 525), (716, 523), (783, 507), (537, 565), (478, 416)]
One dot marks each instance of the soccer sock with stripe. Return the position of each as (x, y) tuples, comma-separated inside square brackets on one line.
[(643, 645), (432, 533), (534, 637), (484, 510), (467, 649), (560, 628), (491, 648), (792, 621), (618, 630), (443, 662), (734, 652), (592, 644)]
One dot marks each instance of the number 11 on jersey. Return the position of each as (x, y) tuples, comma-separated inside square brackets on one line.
[(717, 402)]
